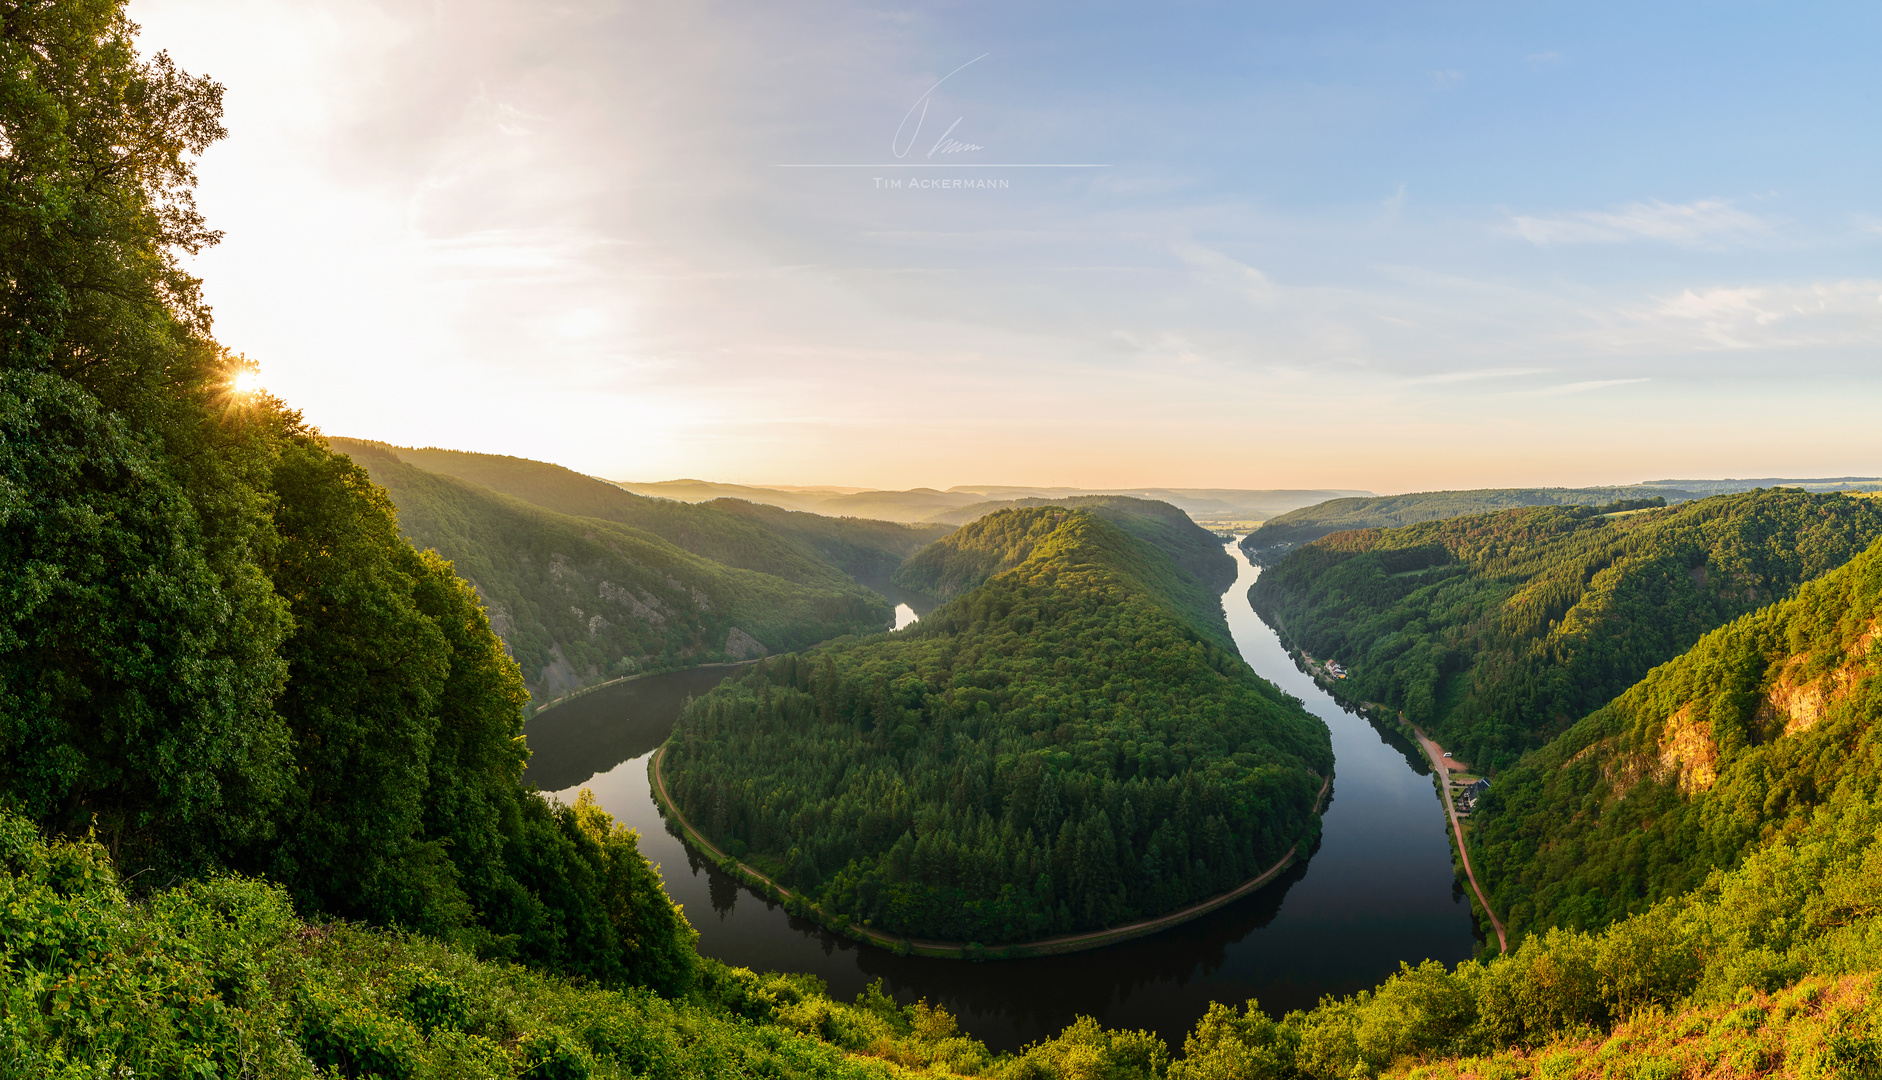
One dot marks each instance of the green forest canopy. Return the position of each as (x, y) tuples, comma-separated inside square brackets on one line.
[(985, 548), (1270, 543), (1062, 747), (579, 599), (1498, 631), (216, 652), (1739, 739)]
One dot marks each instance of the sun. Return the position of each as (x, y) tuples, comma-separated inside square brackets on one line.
[(246, 382)]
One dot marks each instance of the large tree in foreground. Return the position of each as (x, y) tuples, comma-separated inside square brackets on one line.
[(216, 651)]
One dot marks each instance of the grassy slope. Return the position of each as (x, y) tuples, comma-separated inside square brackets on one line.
[(1071, 739), (1502, 630), (806, 548), (1736, 740), (1279, 535), (578, 599)]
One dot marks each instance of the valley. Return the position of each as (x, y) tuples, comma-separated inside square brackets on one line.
[(332, 758), (1377, 888)]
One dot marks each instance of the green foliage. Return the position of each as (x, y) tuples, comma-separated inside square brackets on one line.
[(1801, 907), (1087, 1049), (989, 544), (138, 637), (1228, 1045), (582, 599), (1058, 749), (137, 632), (1499, 631), (216, 652), (219, 978), (98, 205), (1278, 535), (809, 549), (1738, 739)]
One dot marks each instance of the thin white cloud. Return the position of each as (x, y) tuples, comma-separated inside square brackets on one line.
[(1584, 387), (1474, 376), (1702, 223), (1829, 314), (1444, 80)]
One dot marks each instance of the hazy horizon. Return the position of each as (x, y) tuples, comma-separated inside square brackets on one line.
[(1357, 246)]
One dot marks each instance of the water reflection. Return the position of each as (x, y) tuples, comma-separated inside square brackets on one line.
[(1378, 889)]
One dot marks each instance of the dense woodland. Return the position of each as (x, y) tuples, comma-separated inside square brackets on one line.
[(1270, 543), (578, 599), (945, 570), (1738, 740), (1062, 747), (1496, 632), (259, 756), (807, 548)]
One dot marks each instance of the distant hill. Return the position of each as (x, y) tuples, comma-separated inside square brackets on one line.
[(695, 491), (916, 504), (801, 547), (580, 599), (1497, 632), (1271, 542), (963, 503), (1728, 487), (988, 546), (1201, 504)]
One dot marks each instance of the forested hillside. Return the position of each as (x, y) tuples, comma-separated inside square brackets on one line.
[(1277, 536), (810, 549), (216, 652), (1498, 631), (990, 545), (238, 708), (1737, 740), (582, 599), (1062, 747)]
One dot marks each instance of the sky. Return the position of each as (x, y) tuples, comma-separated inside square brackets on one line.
[(1387, 246)]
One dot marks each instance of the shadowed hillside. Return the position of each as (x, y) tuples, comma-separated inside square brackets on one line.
[(583, 599)]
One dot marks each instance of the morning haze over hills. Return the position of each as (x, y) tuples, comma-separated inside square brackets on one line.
[(960, 504), (360, 757)]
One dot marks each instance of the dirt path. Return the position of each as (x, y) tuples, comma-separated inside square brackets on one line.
[(1441, 766), (1064, 944)]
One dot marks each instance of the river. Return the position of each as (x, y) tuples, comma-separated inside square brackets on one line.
[(1377, 889)]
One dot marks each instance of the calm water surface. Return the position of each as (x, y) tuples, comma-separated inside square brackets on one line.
[(1377, 890)]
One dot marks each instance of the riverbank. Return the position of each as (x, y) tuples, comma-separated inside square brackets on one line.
[(1435, 753), (958, 950), (1329, 682), (583, 692)]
